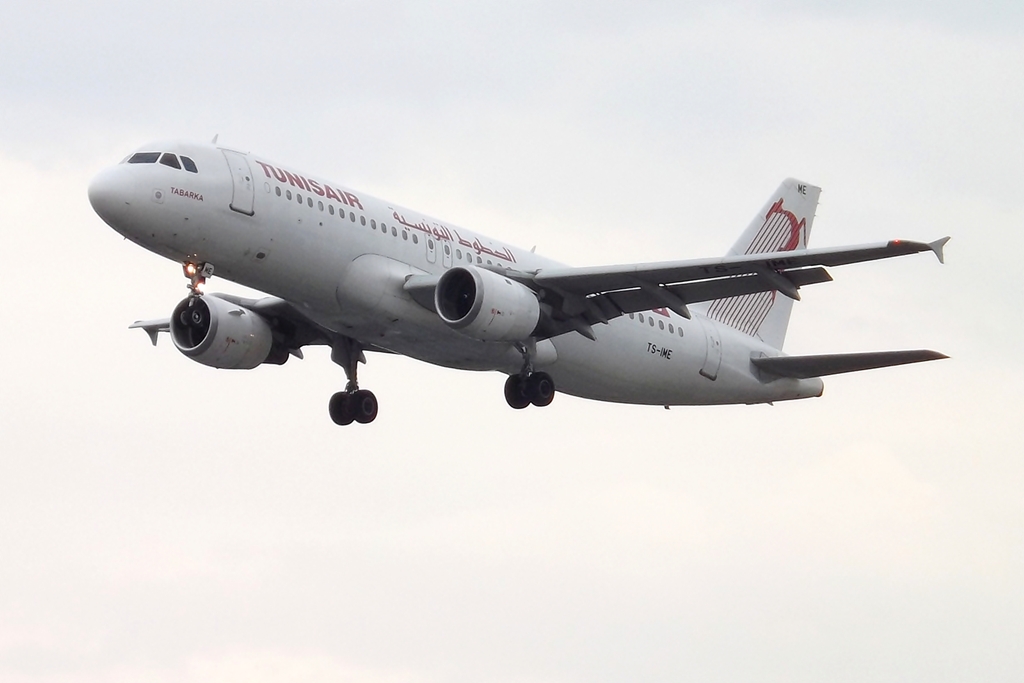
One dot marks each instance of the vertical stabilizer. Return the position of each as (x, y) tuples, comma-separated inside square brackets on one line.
[(783, 224)]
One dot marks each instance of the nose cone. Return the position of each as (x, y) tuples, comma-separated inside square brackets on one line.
[(108, 195)]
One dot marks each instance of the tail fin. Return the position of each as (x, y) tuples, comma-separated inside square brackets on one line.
[(783, 224)]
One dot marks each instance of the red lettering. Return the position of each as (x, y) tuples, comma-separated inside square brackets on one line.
[(305, 184), (316, 188), (265, 167), (331, 194), (353, 200), (295, 180)]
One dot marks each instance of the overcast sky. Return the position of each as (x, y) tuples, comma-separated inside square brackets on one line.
[(162, 521)]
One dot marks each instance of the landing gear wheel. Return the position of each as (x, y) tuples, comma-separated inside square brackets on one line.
[(540, 388), (363, 406), (341, 408), (515, 395)]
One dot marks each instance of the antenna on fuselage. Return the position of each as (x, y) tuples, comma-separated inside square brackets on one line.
[(214, 141)]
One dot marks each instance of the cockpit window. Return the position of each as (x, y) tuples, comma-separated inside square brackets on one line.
[(144, 158), (189, 165), (170, 160)]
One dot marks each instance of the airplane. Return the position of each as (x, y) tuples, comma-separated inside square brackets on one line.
[(360, 274)]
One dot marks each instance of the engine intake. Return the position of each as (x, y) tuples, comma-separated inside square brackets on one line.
[(485, 305), (221, 334)]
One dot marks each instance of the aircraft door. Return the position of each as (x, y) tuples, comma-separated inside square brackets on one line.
[(431, 250), (446, 255), (713, 350), (243, 192)]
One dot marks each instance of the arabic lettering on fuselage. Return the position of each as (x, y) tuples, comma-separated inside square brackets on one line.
[(318, 188), (442, 233)]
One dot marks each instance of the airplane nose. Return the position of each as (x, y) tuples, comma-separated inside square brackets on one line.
[(107, 195)]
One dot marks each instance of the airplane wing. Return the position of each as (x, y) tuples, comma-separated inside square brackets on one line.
[(152, 327), (291, 328), (580, 297)]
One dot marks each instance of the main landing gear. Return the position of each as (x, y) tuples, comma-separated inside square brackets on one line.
[(528, 386), (347, 407), (537, 388), (353, 404)]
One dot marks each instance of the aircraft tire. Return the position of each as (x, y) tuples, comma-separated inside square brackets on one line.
[(341, 408), (515, 395), (540, 388), (363, 406)]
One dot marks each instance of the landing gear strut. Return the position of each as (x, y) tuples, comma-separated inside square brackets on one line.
[(528, 386), (353, 404)]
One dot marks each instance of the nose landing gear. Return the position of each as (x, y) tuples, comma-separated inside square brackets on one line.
[(197, 274)]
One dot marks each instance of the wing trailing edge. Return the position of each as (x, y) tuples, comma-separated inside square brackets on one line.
[(806, 367)]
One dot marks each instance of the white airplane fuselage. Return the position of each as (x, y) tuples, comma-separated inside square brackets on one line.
[(342, 258)]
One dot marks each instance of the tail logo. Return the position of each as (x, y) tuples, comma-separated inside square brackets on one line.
[(781, 231)]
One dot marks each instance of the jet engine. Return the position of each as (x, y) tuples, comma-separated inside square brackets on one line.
[(223, 335), (485, 305)]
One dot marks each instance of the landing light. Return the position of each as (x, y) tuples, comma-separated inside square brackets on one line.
[(190, 269)]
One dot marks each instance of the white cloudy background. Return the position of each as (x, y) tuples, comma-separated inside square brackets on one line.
[(161, 521)]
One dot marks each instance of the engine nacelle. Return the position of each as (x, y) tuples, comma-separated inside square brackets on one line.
[(221, 334), (485, 305)]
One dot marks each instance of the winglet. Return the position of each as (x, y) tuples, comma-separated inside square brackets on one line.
[(151, 327), (937, 246)]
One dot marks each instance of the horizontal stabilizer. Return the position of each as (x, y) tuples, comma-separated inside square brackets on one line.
[(805, 367)]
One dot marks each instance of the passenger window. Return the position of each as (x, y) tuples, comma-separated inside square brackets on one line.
[(630, 316), (661, 324), (352, 216), (651, 321), (479, 260), (309, 202), (405, 235), (170, 160), (415, 238), (641, 317), (190, 165), (680, 332), (320, 205), (458, 254), (373, 225), (278, 191), (671, 330), (447, 250), (288, 193), (394, 231), (362, 220), (144, 158), (298, 197), (384, 228), (330, 209)]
